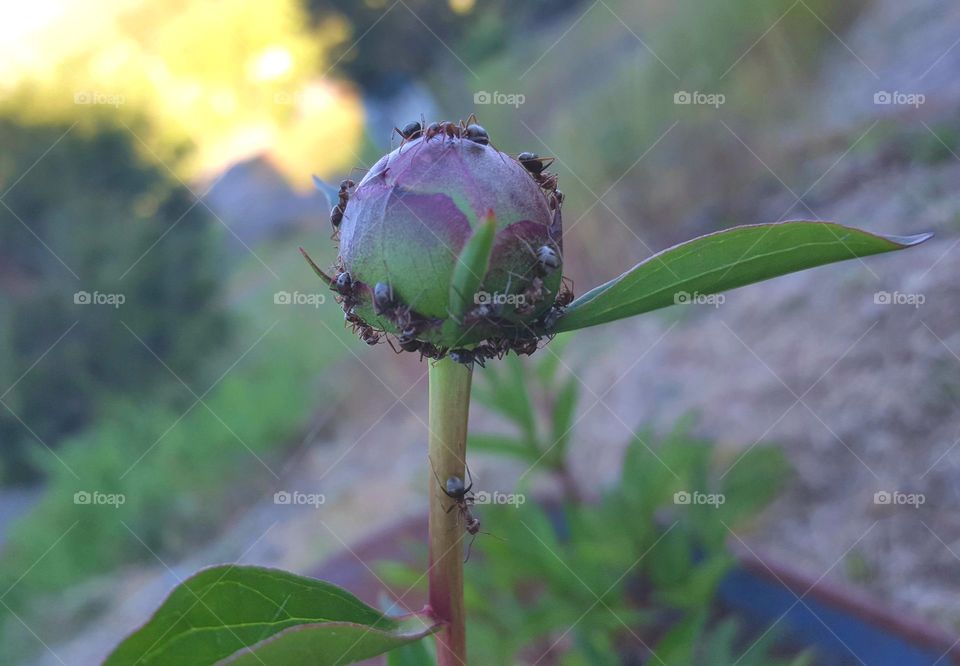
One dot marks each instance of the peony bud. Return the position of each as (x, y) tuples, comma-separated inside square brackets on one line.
[(404, 229)]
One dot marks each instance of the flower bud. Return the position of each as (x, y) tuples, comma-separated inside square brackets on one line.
[(404, 229)]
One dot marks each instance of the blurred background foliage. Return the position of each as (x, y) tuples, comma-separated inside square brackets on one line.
[(544, 564), (163, 151)]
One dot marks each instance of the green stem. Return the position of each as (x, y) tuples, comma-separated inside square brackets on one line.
[(449, 409)]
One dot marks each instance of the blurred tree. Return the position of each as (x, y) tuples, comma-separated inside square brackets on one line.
[(394, 43), (84, 212)]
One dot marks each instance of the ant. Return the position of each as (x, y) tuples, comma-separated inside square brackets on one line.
[(547, 260), (410, 131), (524, 347), (565, 297), (366, 332), (346, 288), (384, 301), (336, 215), (536, 165), (469, 357), (463, 499), (344, 285), (471, 130)]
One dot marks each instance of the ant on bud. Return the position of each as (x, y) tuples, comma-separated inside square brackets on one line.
[(384, 302), (336, 215), (547, 260), (477, 134), (534, 163), (410, 131)]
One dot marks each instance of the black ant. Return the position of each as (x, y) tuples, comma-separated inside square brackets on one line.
[(536, 166), (547, 260), (410, 131), (468, 356), (534, 163), (347, 290), (477, 134), (336, 215), (384, 301), (463, 499)]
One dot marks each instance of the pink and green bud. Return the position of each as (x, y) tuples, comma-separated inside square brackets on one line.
[(449, 244)]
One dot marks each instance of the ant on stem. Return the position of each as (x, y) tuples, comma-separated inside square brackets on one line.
[(463, 499)]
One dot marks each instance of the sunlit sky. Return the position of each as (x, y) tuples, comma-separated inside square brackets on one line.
[(236, 78)]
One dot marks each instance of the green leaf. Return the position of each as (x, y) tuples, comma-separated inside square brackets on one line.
[(471, 267), (725, 260), (251, 615), (500, 445), (564, 408), (414, 654)]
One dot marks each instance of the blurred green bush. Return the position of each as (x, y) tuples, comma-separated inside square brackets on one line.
[(85, 212)]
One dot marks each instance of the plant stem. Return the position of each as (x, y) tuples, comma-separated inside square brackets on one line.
[(449, 409)]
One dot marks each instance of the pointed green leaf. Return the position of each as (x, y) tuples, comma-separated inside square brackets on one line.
[(252, 615), (500, 445), (725, 260), (471, 266)]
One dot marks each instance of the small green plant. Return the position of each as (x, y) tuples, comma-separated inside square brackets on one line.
[(648, 566), (455, 249)]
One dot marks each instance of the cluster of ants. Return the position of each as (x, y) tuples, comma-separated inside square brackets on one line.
[(411, 324)]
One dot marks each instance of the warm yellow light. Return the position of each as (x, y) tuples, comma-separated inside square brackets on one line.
[(271, 64), (462, 6), (249, 87)]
